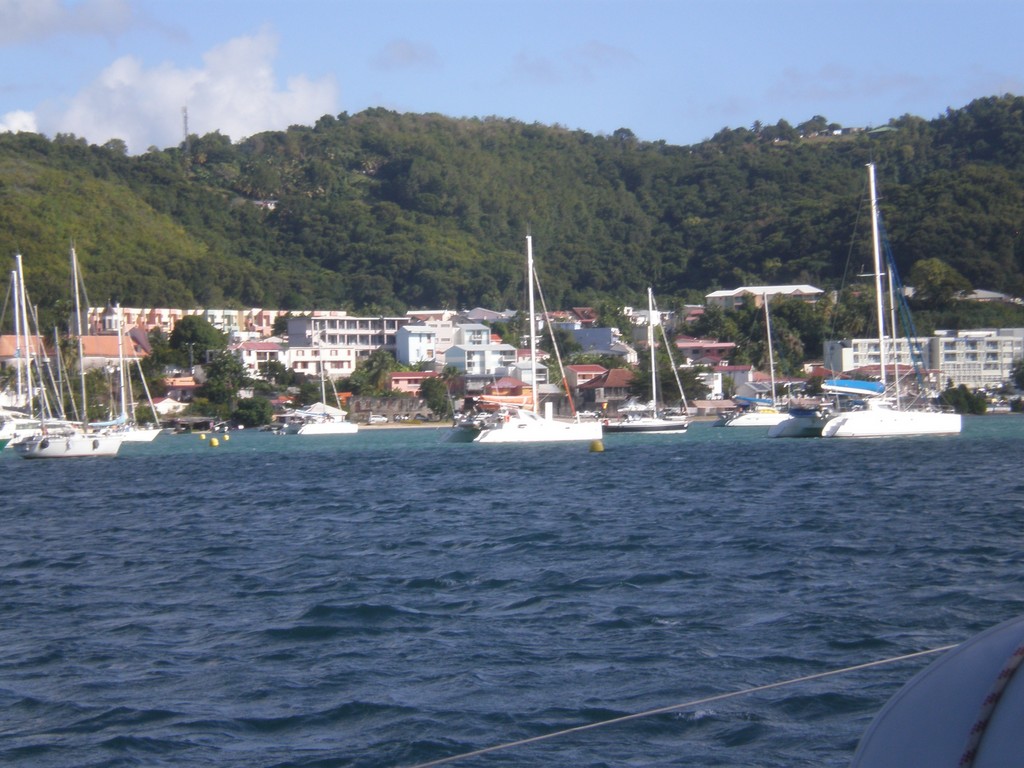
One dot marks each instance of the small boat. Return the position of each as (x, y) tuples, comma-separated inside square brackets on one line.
[(876, 411), (319, 419), (886, 416), (753, 412), (757, 411), (522, 423), (648, 418), (64, 440)]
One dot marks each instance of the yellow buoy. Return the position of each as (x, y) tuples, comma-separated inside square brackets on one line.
[(202, 435), (597, 447), (226, 438), (214, 442)]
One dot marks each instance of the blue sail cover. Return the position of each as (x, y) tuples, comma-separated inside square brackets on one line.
[(853, 387)]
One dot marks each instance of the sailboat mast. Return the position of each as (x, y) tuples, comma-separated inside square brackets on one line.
[(81, 348), (18, 356), (771, 354), (877, 252), (120, 362), (650, 346), (21, 306), (533, 325)]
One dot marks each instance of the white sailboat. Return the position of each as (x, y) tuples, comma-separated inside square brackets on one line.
[(877, 414), (885, 416), (320, 418), (524, 423), (16, 423), (126, 425), (65, 440), (647, 418), (758, 412)]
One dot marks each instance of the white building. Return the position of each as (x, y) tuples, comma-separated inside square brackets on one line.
[(337, 341), (980, 358), (255, 355), (737, 297), (474, 354)]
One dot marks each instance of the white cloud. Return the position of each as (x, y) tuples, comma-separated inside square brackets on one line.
[(234, 92), (17, 122), (27, 21)]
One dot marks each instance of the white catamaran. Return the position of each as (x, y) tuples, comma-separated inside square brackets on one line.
[(511, 423)]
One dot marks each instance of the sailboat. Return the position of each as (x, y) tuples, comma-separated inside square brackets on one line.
[(877, 414), (523, 423), (321, 418), (126, 425), (16, 424), (647, 417), (884, 415), (758, 411), (62, 440)]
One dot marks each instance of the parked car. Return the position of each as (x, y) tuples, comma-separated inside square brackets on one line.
[(376, 418)]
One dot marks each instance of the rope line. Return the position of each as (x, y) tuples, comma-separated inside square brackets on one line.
[(677, 707), (988, 707)]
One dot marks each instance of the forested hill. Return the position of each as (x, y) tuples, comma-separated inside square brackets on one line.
[(381, 212)]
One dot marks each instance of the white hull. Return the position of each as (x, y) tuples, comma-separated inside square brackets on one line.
[(886, 422), (800, 425), (324, 428), (139, 434), (522, 426), (73, 446), (752, 419)]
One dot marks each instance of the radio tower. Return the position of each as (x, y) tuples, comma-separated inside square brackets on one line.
[(184, 124)]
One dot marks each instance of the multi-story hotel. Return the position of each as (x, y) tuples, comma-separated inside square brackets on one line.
[(978, 359)]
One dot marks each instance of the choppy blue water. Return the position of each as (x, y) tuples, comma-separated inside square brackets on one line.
[(388, 599)]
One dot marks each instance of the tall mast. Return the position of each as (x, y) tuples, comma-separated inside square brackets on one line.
[(533, 326), (771, 354), (877, 252), (650, 345), (81, 348), (18, 356), (21, 305), (121, 378)]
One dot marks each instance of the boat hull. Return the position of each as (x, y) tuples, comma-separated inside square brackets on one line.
[(139, 434), (800, 425), (648, 427), (882, 422), (326, 428), (522, 426), (752, 419), (69, 446)]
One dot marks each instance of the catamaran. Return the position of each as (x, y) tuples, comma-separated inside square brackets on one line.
[(507, 422)]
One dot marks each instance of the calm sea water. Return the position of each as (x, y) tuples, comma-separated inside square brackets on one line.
[(387, 599)]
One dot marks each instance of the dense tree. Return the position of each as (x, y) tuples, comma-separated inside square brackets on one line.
[(253, 412), (225, 375), (434, 392), (194, 337), (936, 283), (390, 211)]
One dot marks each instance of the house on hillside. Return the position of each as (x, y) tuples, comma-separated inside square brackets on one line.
[(606, 392), (737, 297)]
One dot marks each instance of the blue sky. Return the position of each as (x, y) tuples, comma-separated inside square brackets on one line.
[(672, 70)]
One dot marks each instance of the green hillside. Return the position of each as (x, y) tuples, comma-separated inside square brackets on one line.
[(380, 212)]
